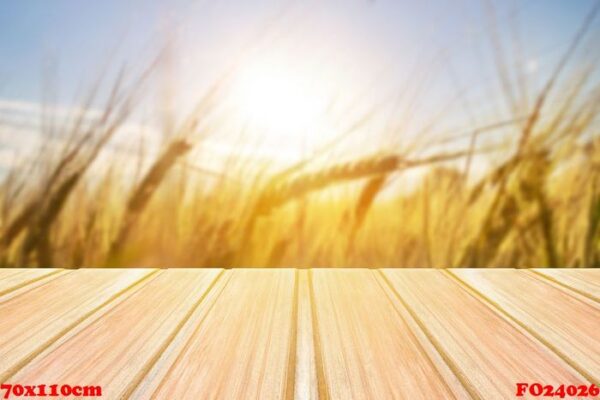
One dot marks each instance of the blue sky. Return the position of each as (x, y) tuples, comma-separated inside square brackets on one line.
[(379, 49), (78, 36)]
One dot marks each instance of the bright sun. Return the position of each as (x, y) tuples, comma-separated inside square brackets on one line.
[(279, 101)]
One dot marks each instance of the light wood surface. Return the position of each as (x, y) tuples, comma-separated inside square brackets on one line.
[(368, 351), (109, 352), (32, 320), (547, 311), (486, 349), (242, 348), (304, 334), (585, 281), (14, 278), (306, 385)]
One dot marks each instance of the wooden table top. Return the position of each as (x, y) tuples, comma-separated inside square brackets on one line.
[(300, 333)]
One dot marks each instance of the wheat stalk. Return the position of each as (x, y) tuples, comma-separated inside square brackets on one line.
[(146, 189), (276, 193)]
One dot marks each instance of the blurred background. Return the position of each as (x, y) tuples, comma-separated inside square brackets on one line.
[(300, 134)]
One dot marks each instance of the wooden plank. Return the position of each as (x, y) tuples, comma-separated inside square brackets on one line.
[(488, 351), (367, 350), (32, 320), (567, 324), (6, 272), (115, 348), (147, 386), (14, 278), (243, 346), (306, 381), (584, 281)]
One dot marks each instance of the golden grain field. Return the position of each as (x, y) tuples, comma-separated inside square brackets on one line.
[(536, 204)]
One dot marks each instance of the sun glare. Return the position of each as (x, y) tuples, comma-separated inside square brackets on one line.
[(279, 101)]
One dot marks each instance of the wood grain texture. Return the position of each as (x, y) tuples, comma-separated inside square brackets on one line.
[(281, 334), (14, 278), (242, 348), (156, 374), (584, 281), (368, 350), (108, 351), (32, 320), (569, 325), (306, 381), (490, 353)]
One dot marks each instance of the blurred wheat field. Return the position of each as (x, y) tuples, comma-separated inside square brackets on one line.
[(69, 203)]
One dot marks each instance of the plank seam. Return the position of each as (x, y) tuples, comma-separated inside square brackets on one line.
[(291, 372), (153, 360), (569, 293), (322, 388), (27, 282), (569, 289), (11, 372), (498, 309), (462, 378), (8, 271), (190, 336), (47, 278)]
